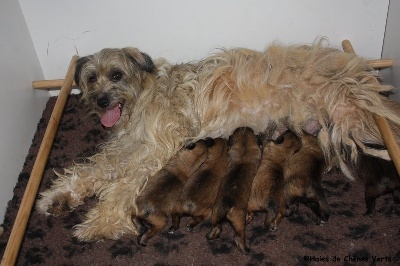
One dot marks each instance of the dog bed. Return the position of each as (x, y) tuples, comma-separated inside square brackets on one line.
[(348, 237)]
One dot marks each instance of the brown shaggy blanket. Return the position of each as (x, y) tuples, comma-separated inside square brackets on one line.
[(348, 238)]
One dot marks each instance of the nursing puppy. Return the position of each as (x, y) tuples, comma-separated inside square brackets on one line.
[(200, 190), (267, 187), (380, 177), (155, 203), (302, 182), (244, 155)]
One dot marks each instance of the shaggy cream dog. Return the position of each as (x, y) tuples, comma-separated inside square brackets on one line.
[(154, 108)]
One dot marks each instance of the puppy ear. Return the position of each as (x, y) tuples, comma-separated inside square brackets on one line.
[(143, 60), (210, 142), (78, 69), (230, 141), (260, 139), (280, 140), (191, 146)]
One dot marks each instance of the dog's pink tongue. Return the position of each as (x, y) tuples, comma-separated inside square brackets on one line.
[(111, 116)]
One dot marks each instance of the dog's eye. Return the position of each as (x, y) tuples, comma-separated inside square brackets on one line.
[(116, 75), (191, 146), (92, 78)]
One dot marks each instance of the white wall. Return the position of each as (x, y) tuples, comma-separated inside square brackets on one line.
[(182, 30), (20, 106), (391, 48)]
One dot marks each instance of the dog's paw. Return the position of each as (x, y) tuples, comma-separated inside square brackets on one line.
[(55, 204), (105, 224), (58, 208)]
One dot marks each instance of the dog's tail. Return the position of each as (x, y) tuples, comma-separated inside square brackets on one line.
[(347, 104), (342, 92)]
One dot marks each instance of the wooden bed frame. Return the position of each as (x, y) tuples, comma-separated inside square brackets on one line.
[(19, 227)]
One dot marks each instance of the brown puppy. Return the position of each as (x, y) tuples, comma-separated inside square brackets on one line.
[(302, 182), (200, 190), (380, 177), (267, 184), (244, 155), (155, 203)]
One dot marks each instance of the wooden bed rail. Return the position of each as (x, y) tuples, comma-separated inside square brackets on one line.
[(55, 84), (18, 230)]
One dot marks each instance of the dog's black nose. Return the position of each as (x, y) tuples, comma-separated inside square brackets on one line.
[(103, 102)]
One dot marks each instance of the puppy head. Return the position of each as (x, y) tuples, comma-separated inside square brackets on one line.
[(218, 150), (244, 145), (189, 158), (283, 147), (310, 144), (112, 80)]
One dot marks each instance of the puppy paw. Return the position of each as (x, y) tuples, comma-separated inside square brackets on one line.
[(189, 228), (172, 230), (273, 227), (321, 222), (369, 214), (245, 250), (323, 219), (192, 224), (249, 218), (214, 233), (142, 241), (241, 245)]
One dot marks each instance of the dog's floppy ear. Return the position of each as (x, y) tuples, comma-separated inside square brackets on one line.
[(78, 69), (143, 60)]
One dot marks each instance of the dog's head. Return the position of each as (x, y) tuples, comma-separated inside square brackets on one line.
[(112, 80)]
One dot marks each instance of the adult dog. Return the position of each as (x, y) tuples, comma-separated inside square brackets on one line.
[(153, 108)]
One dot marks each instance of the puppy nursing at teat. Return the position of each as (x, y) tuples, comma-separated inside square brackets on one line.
[(200, 190), (154, 108), (244, 155), (158, 198), (268, 184)]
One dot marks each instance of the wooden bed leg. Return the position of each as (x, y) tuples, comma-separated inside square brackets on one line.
[(18, 230), (387, 135)]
